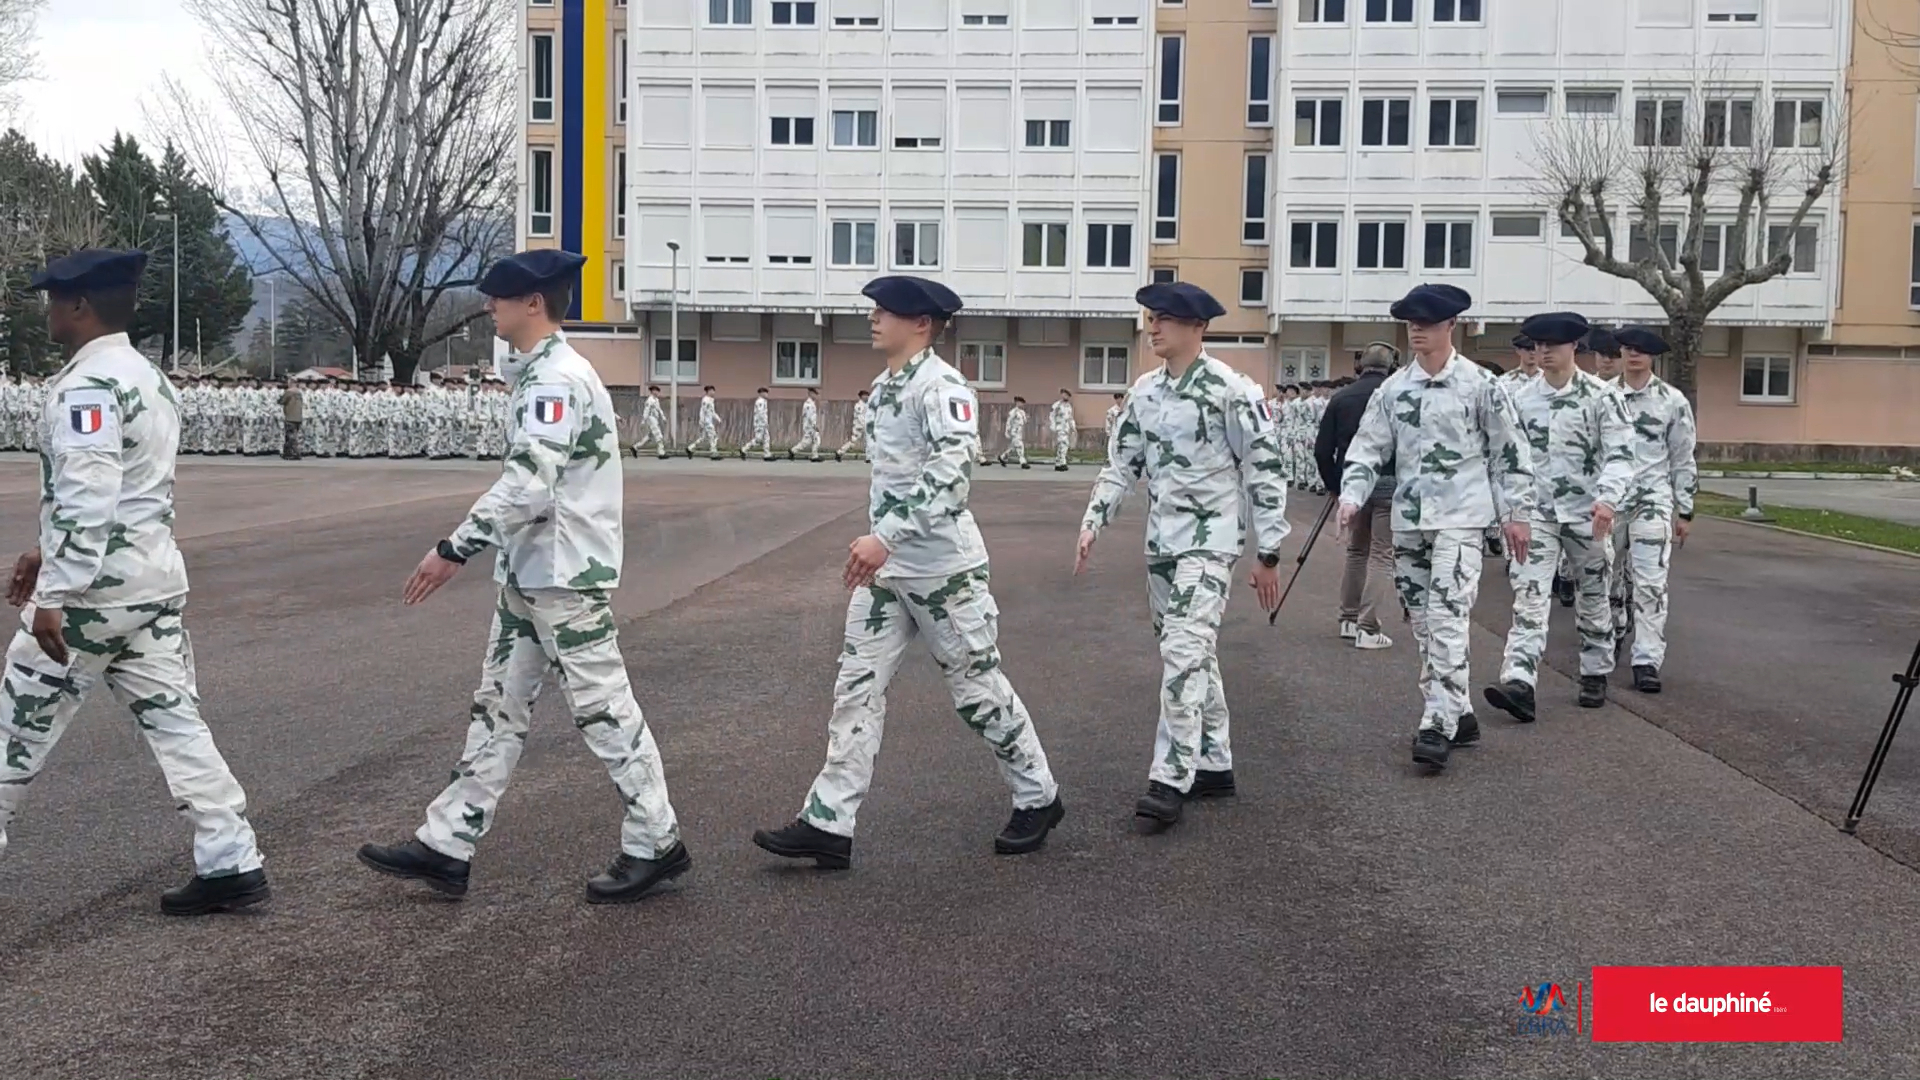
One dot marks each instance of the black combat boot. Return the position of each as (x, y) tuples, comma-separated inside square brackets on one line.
[(413, 859), (1646, 678), (629, 878), (1160, 805), (1514, 697), (1563, 590), (1211, 784), (206, 895), (799, 840), (1059, 468), (1467, 732), (1593, 691), (1027, 829), (1431, 748)]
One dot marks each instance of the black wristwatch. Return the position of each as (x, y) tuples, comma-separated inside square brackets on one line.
[(446, 551), (1269, 559), (1686, 517)]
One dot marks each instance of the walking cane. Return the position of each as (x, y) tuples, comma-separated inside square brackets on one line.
[(1333, 499), (1906, 681)]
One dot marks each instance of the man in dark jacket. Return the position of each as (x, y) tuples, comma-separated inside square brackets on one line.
[(1369, 574)]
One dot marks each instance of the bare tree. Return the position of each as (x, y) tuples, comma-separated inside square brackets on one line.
[(1717, 151), (17, 57), (379, 134)]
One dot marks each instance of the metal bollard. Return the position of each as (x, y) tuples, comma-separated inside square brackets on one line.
[(1753, 511)]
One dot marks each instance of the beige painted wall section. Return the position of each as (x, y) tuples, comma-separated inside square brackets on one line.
[(1882, 193), (1213, 140)]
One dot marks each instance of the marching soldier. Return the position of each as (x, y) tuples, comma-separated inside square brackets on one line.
[(761, 431), (922, 571), (106, 588), (857, 437), (1061, 422), (1016, 433), (1658, 510), (653, 420), (709, 426), (1201, 435), (1452, 436), (809, 427), (1581, 464), (1113, 415), (554, 518), (1526, 360)]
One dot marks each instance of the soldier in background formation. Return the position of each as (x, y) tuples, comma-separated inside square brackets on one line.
[(21, 399), (653, 421), (857, 438), (1060, 422), (762, 431), (709, 427), (1297, 410), (809, 427), (1658, 509), (1016, 434), (1113, 416)]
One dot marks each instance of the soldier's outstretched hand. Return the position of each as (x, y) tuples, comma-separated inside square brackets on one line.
[(1083, 551), (26, 572), (427, 578)]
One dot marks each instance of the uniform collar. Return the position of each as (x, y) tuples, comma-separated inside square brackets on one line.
[(1186, 377), (1652, 381), (912, 367), (94, 348), (1417, 373)]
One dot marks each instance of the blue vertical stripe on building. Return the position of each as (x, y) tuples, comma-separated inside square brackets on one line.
[(573, 23)]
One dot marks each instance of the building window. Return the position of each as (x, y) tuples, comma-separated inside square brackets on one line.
[(1592, 102), (1047, 134), (984, 18), (1259, 80), (793, 13), (1733, 11), (1253, 287), (792, 131), (984, 363), (1109, 246), (542, 107), (1166, 198), (856, 128), (1172, 72), (1453, 122), (1385, 121), (1043, 244), (1390, 11), (540, 193), (1595, 226), (790, 236), (1520, 102), (1167, 275), (1515, 227), (1449, 245), (856, 13), (1638, 251), (1766, 378), (1104, 367), (1729, 122), (1323, 11), (1466, 11), (729, 12), (853, 243), (620, 278), (1801, 244), (916, 244), (1717, 241), (1383, 245), (1797, 123), (619, 194), (1658, 121), (1253, 224), (689, 358), (1316, 121), (620, 66), (1314, 245), (796, 362)]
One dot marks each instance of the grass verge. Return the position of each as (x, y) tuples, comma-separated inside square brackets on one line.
[(1865, 530), (1856, 467)]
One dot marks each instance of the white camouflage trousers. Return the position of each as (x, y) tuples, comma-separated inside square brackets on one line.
[(762, 440), (143, 654), (855, 442), (1438, 574), (959, 621), (1188, 596), (1587, 561), (1062, 442), (537, 632), (1016, 448), (709, 434), (1647, 536), (809, 443), (651, 436)]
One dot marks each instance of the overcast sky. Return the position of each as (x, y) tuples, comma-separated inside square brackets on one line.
[(98, 60)]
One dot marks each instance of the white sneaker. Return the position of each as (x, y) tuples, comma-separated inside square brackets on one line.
[(1349, 629), (1370, 640)]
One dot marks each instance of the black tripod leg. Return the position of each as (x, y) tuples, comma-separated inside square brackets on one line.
[(1907, 682)]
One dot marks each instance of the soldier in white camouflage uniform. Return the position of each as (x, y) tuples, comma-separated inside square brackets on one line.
[(9, 413), (1577, 435), (921, 572), (709, 427), (1453, 438), (1016, 434), (1061, 425), (554, 516), (1658, 510), (107, 587), (809, 428), (857, 437), (762, 431), (653, 422), (1113, 417), (1202, 436)]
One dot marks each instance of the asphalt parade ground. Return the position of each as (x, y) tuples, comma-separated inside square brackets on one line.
[(1345, 915)]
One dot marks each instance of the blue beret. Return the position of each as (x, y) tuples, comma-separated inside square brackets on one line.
[(530, 271), (1642, 340), (911, 297), (1179, 300), (1428, 304), (1522, 341), (1555, 327), (94, 268), (1600, 340)]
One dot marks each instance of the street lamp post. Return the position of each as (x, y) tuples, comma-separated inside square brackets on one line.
[(273, 332), (175, 218), (673, 348)]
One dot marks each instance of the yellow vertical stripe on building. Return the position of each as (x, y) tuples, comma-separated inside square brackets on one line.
[(595, 175)]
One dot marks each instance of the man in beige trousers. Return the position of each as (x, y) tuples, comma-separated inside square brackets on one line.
[(1365, 588)]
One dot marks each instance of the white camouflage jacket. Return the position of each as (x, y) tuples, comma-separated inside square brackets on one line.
[(652, 411), (555, 511), (1578, 438), (109, 431), (1061, 416), (1665, 475), (923, 432), (1454, 439), (1207, 446), (1016, 422)]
